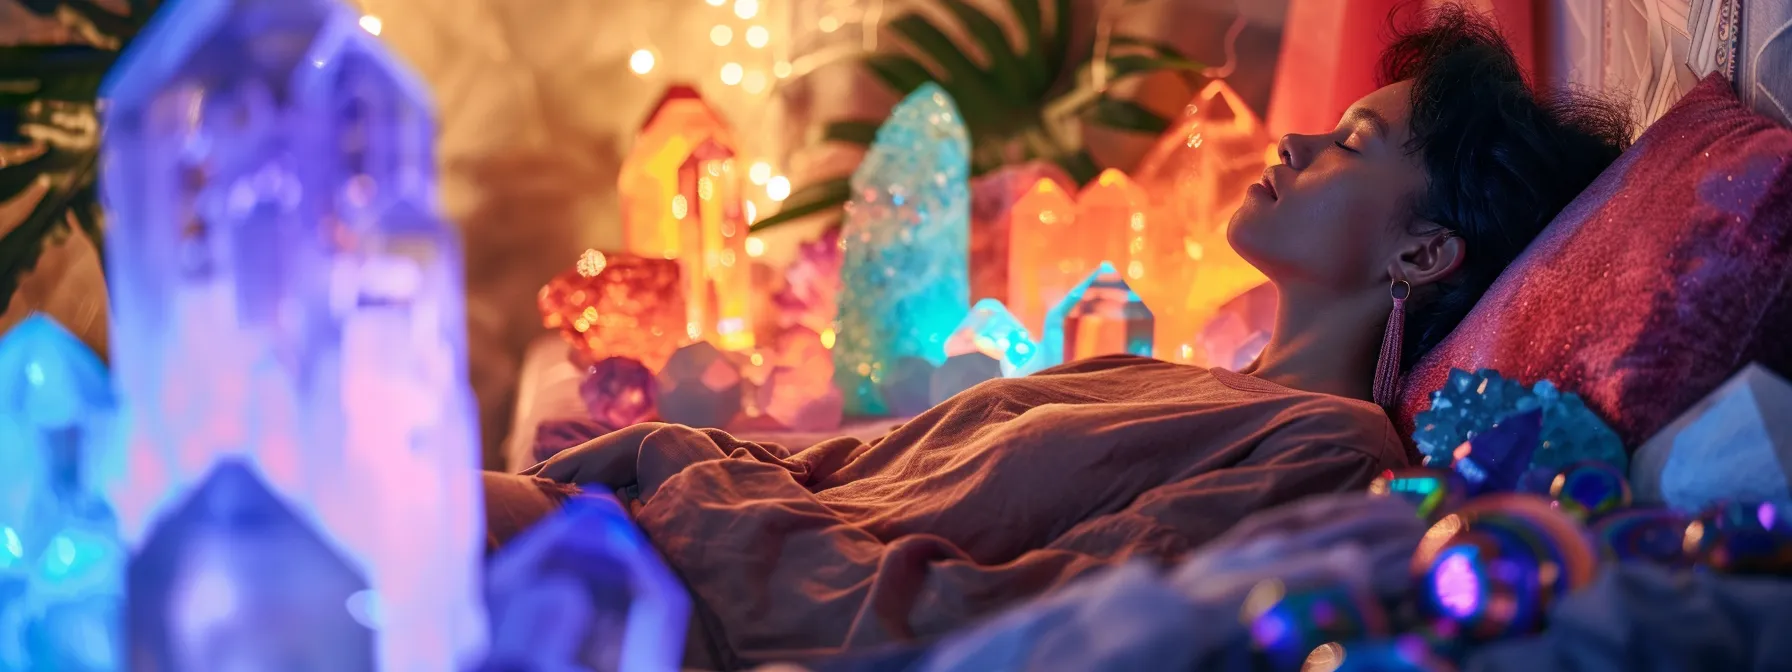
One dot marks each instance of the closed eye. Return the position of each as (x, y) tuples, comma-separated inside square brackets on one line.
[(1345, 147)]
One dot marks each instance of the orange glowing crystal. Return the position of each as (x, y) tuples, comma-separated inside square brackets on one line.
[(1196, 177), (1044, 259), (649, 181), (617, 305), (719, 278)]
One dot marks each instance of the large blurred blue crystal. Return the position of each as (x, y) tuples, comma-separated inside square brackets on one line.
[(584, 590), (1735, 444), (61, 565), (286, 295), (235, 580), (1471, 403), (904, 277)]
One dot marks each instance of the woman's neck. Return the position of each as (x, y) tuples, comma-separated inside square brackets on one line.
[(1324, 345)]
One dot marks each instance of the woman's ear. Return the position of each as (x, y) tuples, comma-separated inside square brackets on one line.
[(1432, 257)]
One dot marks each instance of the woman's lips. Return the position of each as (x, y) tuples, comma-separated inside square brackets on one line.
[(1267, 185)]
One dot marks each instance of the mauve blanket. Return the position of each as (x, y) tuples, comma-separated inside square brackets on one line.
[(1006, 491)]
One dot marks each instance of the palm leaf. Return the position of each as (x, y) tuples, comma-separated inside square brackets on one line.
[(1033, 44), (1005, 70), (21, 247), (1126, 115), (851, 131), (1121, 67), (809, 200), (967, 84), (1063, 17), (901, 73)]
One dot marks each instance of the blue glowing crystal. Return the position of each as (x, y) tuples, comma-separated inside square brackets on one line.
[(234, 556), (584, 590), (285, 293), (1100, 316), (1496, 460), (904, 277), (992, 330), (61, 564), (1471, 403)]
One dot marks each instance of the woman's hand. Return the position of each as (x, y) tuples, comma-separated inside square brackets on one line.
[(607, 460)]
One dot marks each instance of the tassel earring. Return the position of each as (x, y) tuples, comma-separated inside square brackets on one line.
[(1387, 369)]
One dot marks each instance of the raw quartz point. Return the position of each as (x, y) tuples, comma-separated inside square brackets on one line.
[(960, 373), (232, 578), (618, 305), (904, 274), (712, 246), (288, 299), (584, 590), (61, 565), (1045, 255), (1100, 316), (991, 330), (1735, 444), (700, 387), (1196, 176), (648, 181), (1240, 330), (993, 197)]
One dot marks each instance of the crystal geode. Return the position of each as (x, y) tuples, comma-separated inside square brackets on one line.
[(1471, 403)]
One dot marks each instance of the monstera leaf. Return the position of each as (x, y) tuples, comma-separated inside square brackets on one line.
[(49, 129), (1024, 102)]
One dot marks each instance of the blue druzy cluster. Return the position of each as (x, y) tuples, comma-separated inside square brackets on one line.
[(1471, 403)]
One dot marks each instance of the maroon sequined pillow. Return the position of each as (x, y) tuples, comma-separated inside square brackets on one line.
[(1669, 274)]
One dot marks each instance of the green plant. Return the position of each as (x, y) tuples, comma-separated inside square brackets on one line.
[(1024, 102), (49, 127)]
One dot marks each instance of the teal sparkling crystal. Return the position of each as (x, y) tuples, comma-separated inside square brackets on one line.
[(904, 275), (61, 563), (1103, 314), (992, 330), (1471, 403)]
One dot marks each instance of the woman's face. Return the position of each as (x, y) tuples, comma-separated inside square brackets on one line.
[(1332, 216)]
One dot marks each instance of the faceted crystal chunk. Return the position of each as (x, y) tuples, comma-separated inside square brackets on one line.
[(907, 386), (700, 387), (287, 296), (1496, 459), (712, 246), (904, 275), (619, 392), (802, 398), (1734, 444), (960, 373), (1240, 330), (618, 305), (61, 565), (1100, 316), (584, 590), (232, 578), (1045, 255), (993, 197), (1111, 215), (1196, 176), (991, 330), (649, 181)]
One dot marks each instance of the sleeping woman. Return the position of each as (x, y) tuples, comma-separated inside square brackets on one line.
[(1422, 194)]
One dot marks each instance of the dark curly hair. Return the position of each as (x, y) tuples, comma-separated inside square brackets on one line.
[(1502, 158)]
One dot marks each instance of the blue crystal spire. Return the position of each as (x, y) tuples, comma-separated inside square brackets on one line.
[(904, 276), (61, 565), (287, 297), (992, 330), (584, 590), (1099, 316)]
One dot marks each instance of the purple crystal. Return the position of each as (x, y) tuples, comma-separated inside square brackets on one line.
[(286, 294), (585, 590), (1496, 460), (619, 392), (228, 563)]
